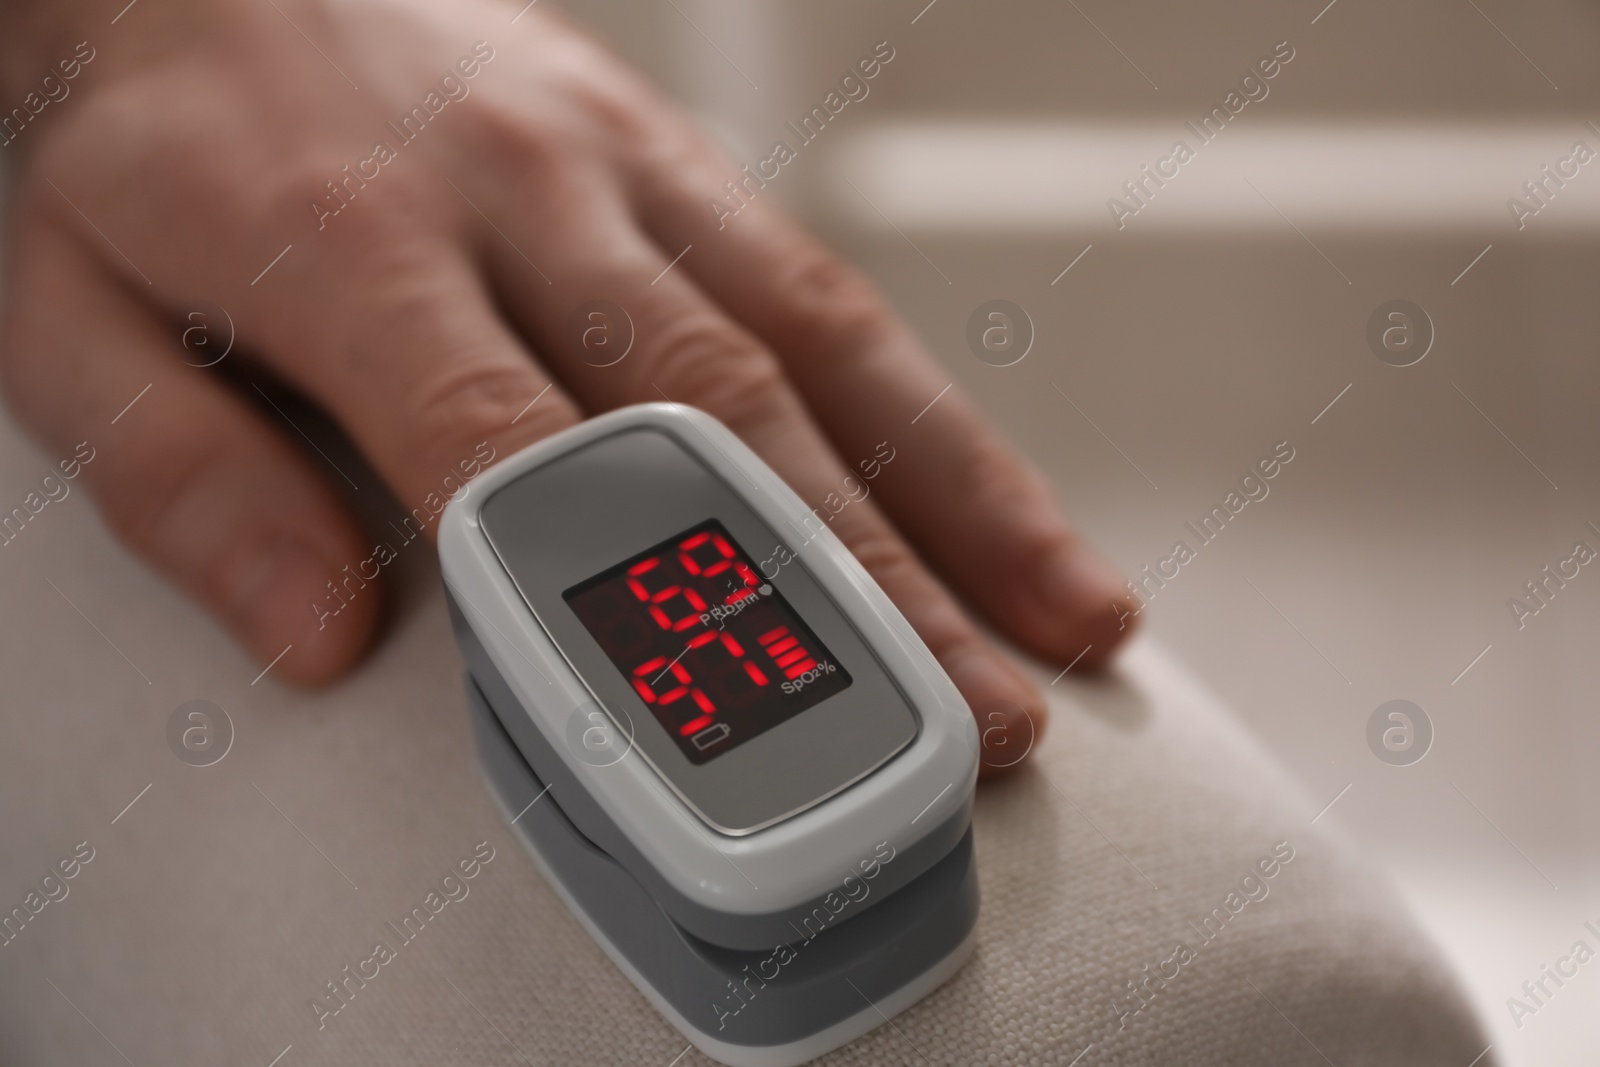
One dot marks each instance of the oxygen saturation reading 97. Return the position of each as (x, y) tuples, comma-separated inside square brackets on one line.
[(706, 642)]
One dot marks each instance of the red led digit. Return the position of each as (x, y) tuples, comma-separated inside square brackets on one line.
[(723, 548), (637, 587), (755, 673), (649, 667), (693, 566), (696, 602), (694, 726), (680, 674)]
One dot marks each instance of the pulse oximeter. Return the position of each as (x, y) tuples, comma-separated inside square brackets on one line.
[(723, 746)]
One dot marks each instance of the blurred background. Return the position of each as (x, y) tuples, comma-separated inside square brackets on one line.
[(1224, 318)]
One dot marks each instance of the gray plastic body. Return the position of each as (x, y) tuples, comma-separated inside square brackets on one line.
[(774, 1007), (735, 930)]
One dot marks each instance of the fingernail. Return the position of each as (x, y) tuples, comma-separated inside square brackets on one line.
[(1009, 711)]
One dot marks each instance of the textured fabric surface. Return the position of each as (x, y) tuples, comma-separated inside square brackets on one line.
[(222, 901)]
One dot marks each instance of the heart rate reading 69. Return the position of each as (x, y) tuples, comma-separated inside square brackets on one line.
[(713, 650)]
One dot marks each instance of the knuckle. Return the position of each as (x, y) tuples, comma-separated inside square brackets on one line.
[(717, 367), (354, 216), (516, 141), (616, 103), (1003, 484), (618, 113), (472, 397), (891, 562), (171, 160), (832, 308), (879, 550), (990, 469), (999, 478)]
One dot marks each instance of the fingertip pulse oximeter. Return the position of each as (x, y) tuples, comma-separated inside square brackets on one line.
[(759, 780)]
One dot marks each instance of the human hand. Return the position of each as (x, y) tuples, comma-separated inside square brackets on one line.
[(423, 294)]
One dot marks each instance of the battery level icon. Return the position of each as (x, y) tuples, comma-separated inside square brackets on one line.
[(710, 735)]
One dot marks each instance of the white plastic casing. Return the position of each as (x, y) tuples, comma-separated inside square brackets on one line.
[(802, 857)]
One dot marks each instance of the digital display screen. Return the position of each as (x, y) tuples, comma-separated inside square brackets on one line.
[(706, 641)]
